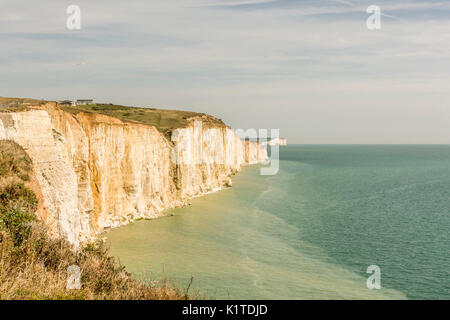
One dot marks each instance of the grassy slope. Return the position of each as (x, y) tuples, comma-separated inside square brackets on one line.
[(16, 104), (164, 120), (34, 266)]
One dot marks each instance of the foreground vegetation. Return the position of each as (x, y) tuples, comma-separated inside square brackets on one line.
[(34, 266)]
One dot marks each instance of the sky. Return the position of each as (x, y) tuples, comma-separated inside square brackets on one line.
[(309, 68)]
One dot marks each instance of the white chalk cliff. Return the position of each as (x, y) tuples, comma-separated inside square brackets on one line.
[(95, 172)]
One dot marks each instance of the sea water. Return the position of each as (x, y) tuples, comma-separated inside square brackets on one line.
[(310, 231)]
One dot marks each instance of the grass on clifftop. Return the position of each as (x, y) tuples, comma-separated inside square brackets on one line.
[(34, 266), (163, 119), (17, 104)]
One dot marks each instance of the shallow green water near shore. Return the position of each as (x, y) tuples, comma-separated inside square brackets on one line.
[(311, 231)]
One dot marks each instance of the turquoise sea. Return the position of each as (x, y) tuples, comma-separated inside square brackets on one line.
[(311, 231)]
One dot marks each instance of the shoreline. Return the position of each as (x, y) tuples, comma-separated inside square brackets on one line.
[(102, 235)]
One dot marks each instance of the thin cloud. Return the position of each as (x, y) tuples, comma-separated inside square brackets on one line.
[(347, 3), (242, 63)]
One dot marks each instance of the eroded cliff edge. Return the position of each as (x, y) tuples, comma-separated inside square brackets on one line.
[(95, 172)]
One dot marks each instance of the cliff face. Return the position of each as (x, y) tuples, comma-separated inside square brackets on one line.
[(96, 172)]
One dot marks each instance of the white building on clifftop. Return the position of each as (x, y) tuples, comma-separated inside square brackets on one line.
[(84, 101)]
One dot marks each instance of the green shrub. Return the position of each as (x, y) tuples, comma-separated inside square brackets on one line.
[(17, 202), (34, 265), (17, 223)]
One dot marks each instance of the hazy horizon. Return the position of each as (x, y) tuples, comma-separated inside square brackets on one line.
[(310, 68)]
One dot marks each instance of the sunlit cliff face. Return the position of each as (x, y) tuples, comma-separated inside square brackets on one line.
[(96, 172)]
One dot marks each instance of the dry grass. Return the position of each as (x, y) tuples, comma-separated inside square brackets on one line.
[(37, 269), (34, 266)]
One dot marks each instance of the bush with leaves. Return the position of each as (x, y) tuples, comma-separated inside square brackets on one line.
[(34, 265)]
